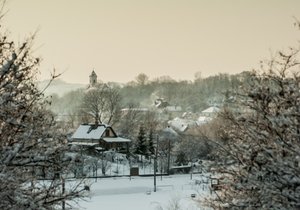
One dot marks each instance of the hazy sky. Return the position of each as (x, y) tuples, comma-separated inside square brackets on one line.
[(122, 38)]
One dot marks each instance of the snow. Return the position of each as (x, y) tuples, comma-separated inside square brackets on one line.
[(173, 108), (135, 109), (84, 143), (92, 132), (125, 193), (86, 132), (180, 124), (211, 110), (170, 132), (116, 139), (202, 120)]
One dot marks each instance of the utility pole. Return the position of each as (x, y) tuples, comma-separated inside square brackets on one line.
[(97, 168), (155, 163), (192, 167), (169, 153), (63, 192)]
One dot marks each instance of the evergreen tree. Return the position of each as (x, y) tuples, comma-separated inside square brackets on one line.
[(141, 147), (151, 149)]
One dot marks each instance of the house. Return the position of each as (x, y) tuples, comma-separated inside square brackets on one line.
[(161, 103), (174, 108), (207, 115), (203, 120), (180, 124), (210, 112), (99, 136)]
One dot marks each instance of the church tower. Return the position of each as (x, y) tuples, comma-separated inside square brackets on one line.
[(93, 79)]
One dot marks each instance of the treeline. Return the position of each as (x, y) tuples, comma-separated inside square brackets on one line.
[(193, 96)]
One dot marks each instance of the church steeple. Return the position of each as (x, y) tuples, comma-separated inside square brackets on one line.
[(93, 79)]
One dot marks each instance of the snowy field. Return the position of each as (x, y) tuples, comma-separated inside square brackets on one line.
[(137, 193)]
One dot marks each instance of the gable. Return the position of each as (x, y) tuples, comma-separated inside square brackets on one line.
[(109, 132)]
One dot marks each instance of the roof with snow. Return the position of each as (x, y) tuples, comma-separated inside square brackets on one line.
[(135, 109), (97, 132), (173, 108), (202, 120), (169, 132), (86, 131), (211, 109), (180, 124)]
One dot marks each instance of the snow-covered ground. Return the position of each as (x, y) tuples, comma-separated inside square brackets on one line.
[(137, 193)]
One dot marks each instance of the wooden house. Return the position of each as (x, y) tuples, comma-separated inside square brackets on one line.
[(100, 136)]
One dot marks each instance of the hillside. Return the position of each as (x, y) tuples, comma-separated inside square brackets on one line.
[(59, 87)]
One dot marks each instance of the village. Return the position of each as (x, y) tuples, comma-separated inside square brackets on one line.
[(153, 105), (152, 144), (102, 156), (100, 140)]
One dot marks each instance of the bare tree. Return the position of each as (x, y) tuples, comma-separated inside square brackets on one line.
[(102, 103), (142, 79), (129, 121)]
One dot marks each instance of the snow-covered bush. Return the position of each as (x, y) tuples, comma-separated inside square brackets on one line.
[(261, 139), (31, 146)]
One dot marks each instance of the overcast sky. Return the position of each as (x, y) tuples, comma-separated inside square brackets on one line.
[(122, 38)]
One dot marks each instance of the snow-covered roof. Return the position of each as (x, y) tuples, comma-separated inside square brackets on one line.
[(85, 135), (202, 120), (169, 132), (116, 139), (89, 132), (173, 108), (135, 109), (178, 124), (181, 124), (212, 109)]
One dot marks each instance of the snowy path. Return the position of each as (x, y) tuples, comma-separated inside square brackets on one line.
[(137, 193)]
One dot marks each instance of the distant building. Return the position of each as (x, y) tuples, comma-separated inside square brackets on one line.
[(174, 108), (181, 125), (93, 79), (203, 120), (207, 115), (161, 103), (125, 111), (210, 112)]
